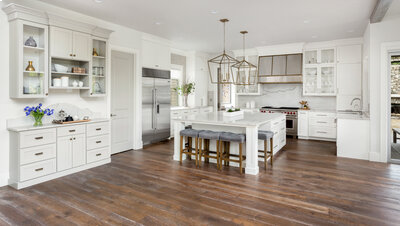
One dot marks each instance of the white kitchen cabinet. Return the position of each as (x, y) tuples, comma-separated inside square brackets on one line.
[(176, 113), (67, 44), (353, 138), (39, 155), (349, 79), (351, 54), (319, 74), (302, 124), (156, 55)]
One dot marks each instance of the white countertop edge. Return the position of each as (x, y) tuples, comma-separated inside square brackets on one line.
[(51, 125)]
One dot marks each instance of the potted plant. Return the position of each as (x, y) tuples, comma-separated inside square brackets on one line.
[(184, 90), (38, 113)]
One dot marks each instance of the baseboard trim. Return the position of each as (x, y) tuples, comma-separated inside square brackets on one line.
[(374, 157)]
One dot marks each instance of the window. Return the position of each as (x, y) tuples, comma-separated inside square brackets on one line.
[(174, 94)]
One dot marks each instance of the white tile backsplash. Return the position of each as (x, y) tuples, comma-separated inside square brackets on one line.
[(287, 95)]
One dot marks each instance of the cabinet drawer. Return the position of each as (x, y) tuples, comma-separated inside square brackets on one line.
[(70, 130), (185, 112), (37, 137), (323, 132), (39, 153), (321, 115), (38, 169), (206, 110), (194, 111), (322, 121), (97, 129), (98, 154), (98, 142), (175, 114)]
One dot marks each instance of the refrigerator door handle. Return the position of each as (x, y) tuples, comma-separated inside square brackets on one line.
[(158, 108), (153, 97), (155, 112)]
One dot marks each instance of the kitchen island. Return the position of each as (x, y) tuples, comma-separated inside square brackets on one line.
[(249, 123)]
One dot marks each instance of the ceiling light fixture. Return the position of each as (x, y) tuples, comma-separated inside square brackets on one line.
[(246, 72), (306, 21), (314, 36), (219, 67), (157, 23), (98, 1), (213, 11)]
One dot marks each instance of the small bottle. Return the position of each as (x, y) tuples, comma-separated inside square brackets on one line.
[(95, 52), (30, 67)]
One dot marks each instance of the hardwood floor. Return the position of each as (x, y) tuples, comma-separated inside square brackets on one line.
[(307, 185)]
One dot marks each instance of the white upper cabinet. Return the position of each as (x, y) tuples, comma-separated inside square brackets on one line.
[(349, 54), (67, 44), (156, 55)]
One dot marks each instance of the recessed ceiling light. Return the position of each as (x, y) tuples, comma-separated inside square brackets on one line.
[(98, 1), (314, 36), (306, 21), (350, 31), (214, 11), (157, 23)]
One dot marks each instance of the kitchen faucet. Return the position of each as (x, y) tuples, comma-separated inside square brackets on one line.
[(358, 105)]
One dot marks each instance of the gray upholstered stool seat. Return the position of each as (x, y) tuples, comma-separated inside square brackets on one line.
[(209, 135), (265, 135), (233, 137), (189, 133), (188, 127)]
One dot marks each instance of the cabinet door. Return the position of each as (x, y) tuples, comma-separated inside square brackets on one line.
[(349, 54), (156, 55), (349, 79), (294, 64), (265, 66), (79, 150), (81, 46), (303, 124), (60, 42), (64, 153), (279, 65)]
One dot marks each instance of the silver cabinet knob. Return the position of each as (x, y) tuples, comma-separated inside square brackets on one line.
[(113, 115)]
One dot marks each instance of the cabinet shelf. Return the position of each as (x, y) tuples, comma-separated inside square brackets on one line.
[(34, 48), (99, 57), (34, 72), (68, 73), (67, 88)]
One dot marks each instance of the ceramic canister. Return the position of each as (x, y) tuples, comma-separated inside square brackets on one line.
[(64, 81), (56, 82)]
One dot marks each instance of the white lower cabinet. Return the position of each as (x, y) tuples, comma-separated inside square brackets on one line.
[(39, 155), (176, 113), (317, 125)]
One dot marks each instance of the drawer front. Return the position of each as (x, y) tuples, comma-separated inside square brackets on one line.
[(175, 114), (322, 132), (71, 130), (322, 115), (282, 140), (206, 110), (97, 129), (97, 155), (322, 121), (185, 112), (98, 142), (38, 169), (194, 111), (39, 153), (37, 137)]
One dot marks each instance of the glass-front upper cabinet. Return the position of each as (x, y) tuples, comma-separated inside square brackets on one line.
[(319, 72), (29, 60)]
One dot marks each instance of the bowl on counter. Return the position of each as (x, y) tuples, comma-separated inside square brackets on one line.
[(60, 68)]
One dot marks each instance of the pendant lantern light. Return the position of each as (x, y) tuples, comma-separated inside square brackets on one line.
[(219, 67), (244, 72)]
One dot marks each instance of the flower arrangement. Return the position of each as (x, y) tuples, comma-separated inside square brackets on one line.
[(184, 90), (304, 105), (38, 113)]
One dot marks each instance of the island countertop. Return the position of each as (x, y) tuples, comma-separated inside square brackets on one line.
[(218, 118)]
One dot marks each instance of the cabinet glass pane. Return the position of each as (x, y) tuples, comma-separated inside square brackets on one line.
[(33, 83), (328, 56), (265, 67), (294, 64), (327, 80), (310, 80), (279, 65), (311, 57)]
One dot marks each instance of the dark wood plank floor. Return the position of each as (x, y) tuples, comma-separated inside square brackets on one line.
[(307, 185)]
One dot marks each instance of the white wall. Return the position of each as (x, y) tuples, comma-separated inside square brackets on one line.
[(122, 38)]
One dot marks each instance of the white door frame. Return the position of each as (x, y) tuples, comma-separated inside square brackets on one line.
[(137, 94), (387, 49)]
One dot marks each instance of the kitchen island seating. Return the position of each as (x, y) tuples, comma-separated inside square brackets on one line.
[(206, 136), (265, 135), (226, 138), (188, 149)]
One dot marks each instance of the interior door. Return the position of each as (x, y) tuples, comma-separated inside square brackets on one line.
[(122, 72), (148, 94), (79, 150), (162, 108), (81, 46), (64, 153)]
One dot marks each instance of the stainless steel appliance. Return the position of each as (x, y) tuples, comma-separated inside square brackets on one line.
[(291, 117), (156, 105)]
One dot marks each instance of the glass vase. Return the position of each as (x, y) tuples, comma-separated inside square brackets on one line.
[(185, 100), (38, 120)]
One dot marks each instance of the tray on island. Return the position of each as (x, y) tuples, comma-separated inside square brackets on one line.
[(69, 122)]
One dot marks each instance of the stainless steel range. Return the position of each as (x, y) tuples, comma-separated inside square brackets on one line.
[(291, 117)]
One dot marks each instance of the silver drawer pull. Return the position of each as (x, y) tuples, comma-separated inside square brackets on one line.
[(321, 115), (98, 142), (322, 132), (275, 146), (276, 123), (39, 153), (39, 138), (39, 169), (321, 122), (72, 131), (98, 154), (98, 129)]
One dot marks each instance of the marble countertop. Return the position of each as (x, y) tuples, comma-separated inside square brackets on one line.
[(353, 116), (217, 118), (184, 108), (52, 125)]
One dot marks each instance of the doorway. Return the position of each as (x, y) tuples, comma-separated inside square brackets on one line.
[(122, 76), (394, 154)]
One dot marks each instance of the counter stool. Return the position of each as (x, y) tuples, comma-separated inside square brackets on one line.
[(226, 139), (187, 149), (267, 135), (206, 136)]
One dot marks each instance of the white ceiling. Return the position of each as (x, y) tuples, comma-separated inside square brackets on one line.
[(191, 25)]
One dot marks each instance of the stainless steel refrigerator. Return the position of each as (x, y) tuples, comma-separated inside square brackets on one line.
[(156, 105)]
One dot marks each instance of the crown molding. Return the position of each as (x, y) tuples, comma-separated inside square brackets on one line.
[(15, 12)]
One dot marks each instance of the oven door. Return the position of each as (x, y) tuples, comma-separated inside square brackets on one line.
[(291, 126)]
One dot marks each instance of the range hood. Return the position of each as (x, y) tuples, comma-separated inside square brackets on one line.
[(280, 69)]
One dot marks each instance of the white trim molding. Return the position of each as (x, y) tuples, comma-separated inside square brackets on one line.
[(387, 49), (4, 179)]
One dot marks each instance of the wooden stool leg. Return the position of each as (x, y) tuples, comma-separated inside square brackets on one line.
[(200, 153), (272, 150), (228, 153), (240, 158), (221, 153), (207, 150), (265, 154), (217, 146), (181, 150), (189, 148), (196, 141)]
